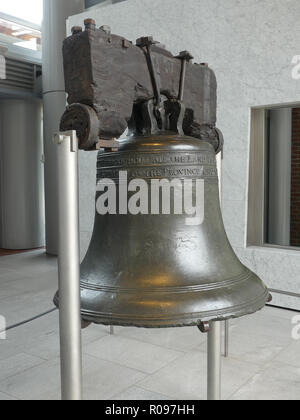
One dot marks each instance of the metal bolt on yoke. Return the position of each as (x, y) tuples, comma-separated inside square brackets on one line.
[(76, 30), (106, 29), (90, 24)]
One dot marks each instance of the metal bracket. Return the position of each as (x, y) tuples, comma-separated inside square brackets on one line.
[(204, 327), (145, 44), (174, 116), (60, 137), (168, 113), (112, 145), (185, 58)]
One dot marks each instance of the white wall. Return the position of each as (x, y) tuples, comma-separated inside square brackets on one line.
[(250, 45)]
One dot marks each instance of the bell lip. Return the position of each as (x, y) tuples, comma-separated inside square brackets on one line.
[(188, 320), (182, 320)]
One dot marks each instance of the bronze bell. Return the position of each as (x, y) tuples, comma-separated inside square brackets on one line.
[(154, 268)]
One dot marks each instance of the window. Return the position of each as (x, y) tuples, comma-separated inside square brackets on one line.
[(91, 3), (274, 179), (20, 27), (12, 33), (29, 10)]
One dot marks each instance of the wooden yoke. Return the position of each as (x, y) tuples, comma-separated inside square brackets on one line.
[(107, 78)]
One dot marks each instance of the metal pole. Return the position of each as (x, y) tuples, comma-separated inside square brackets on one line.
[(226, 339), (214, 339), (68, 266), (214, 362), (226, 333)]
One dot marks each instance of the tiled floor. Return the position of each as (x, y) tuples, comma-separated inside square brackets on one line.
[(264, 360)]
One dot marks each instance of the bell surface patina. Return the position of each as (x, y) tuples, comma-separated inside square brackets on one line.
[(155, 270)]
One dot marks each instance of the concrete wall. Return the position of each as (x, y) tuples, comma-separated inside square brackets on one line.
[(250, 45)]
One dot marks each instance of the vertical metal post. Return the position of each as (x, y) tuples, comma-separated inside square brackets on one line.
[(226, 339), (214, 362), (214, 339), (226, 333), (68, 266)]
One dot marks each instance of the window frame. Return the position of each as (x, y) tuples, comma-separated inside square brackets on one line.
[(258, 177)]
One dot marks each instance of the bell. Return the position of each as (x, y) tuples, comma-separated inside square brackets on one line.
[(151, 269), (159, 255)]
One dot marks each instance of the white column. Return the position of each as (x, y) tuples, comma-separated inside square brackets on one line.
[(21, 178), (56, 13)]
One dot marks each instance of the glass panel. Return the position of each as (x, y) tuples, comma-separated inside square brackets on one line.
[(22, 36)]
